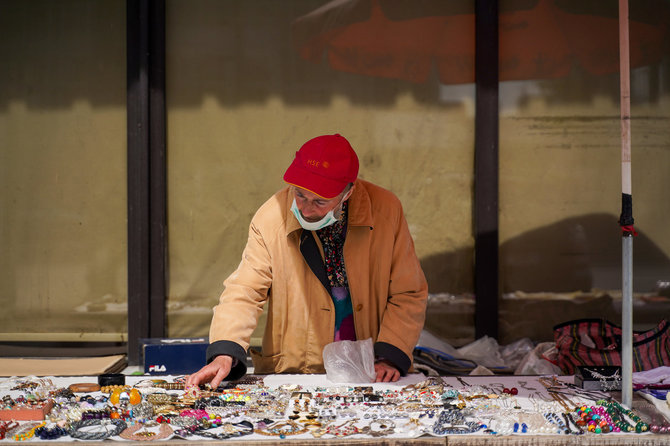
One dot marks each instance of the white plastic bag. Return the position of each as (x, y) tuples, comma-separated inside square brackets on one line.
[(350, 361), (484, 351), (534, 363), (516, 351)]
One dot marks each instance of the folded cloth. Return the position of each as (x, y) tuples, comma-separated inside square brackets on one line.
[(659, 375)]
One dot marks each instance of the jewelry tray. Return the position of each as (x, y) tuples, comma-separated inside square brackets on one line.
[(32, 413)]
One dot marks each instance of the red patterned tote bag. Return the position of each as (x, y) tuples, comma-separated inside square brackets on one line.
[(597, 342)]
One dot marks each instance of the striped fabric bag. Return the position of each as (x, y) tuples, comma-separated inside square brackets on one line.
[(597, 342)]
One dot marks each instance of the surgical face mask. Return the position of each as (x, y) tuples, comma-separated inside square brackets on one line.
[(327, 219)]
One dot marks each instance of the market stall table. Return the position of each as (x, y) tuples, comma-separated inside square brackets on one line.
[(309, 409)]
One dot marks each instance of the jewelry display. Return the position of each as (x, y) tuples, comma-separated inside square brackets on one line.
[(157, 409)]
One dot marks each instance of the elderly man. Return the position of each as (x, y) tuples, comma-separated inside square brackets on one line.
[(333, 258)]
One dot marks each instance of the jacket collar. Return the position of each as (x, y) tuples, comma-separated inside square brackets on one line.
[(360, 209)]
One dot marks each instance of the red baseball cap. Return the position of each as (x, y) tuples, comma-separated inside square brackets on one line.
[(324, 165)]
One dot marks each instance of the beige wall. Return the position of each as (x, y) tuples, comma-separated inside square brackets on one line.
[(560, 189), (62, 170)]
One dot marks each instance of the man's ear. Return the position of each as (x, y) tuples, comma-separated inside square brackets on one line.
[(350, 192)]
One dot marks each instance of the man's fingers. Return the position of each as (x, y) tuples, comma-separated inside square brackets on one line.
[(385, 372), (220, 375), (395, 375), (379, 372), (194, 379)]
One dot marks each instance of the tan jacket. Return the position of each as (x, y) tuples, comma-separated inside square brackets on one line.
[(387, 286)]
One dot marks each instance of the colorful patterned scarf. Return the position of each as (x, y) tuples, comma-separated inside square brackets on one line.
[(332, 239)]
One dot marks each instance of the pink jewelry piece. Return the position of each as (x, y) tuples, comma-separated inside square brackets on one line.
[(196, 413)]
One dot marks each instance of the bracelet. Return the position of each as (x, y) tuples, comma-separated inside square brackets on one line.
[(111, 379), (84, 387), (112, 388), (139, 432), (77, 431), (282, 429), (170, 386), (227, 430)]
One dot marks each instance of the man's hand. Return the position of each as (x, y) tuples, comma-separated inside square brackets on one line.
[(214, 372), (386, 372)]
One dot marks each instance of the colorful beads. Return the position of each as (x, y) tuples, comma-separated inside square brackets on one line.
[(595, 419)]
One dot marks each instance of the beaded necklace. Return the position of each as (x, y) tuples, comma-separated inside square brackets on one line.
[(618, 414), (52, 433), (555, 419), (27, 431)]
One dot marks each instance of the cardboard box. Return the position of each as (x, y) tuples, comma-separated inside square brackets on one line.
[(178, 356)]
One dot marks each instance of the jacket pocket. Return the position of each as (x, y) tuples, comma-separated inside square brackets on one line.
[(265, 364)]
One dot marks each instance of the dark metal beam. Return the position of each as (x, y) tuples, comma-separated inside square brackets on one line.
[(157, 170), (486, 169), (146, 171)]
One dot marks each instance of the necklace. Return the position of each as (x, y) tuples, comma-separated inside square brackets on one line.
[(379, 428), (27, 431), (607, 383), (618, 414), (342, 430), (555, 419)]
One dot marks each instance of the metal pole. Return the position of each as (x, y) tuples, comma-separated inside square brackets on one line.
[(626, 220), (627, 322), (486, 169)]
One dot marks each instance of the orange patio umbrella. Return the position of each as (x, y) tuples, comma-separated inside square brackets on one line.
[(539, 39)]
